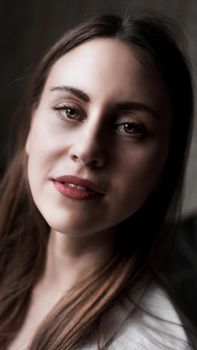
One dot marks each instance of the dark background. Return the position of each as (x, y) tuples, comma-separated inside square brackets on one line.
[(28, 28)]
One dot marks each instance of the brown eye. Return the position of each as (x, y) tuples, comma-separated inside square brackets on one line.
[(134, 129), (68, 112)]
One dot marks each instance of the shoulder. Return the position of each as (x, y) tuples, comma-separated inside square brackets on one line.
[(153, 323)]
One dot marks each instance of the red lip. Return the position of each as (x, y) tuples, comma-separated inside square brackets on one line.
[(90, 190)]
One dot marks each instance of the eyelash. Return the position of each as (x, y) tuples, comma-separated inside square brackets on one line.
[(78, 114), (137, 129)]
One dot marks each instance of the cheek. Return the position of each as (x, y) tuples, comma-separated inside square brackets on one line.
[(42, 142), (140, 170), (38, 162)]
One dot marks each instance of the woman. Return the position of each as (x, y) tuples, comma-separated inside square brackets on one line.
[(98, 171)]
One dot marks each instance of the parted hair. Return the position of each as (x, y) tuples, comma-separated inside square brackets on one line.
[(24, 232)]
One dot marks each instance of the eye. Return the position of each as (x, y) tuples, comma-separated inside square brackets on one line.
[(66, 111), (132, 128)]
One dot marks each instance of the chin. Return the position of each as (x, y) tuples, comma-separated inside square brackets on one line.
[(69, 226)]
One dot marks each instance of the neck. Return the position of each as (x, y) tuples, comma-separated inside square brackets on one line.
[(69, 259)]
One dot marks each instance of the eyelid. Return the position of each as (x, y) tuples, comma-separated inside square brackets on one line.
[(131, 115), (67, 103), (142, 130), (65, 96), (60, 107), (133, 123), (136, 118), (129, 118)]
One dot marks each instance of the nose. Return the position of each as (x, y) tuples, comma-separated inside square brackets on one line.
[(88, 147)]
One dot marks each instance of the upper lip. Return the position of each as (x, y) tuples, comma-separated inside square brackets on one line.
[(90, 185)]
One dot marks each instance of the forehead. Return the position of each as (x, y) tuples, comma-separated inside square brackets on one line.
[(111, 67), (99, 55)]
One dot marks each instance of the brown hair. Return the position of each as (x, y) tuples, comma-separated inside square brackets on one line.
[(24, 232)]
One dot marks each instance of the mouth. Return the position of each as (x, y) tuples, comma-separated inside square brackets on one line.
[(77, 188)]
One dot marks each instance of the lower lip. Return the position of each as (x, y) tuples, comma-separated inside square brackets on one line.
[(75, 193)]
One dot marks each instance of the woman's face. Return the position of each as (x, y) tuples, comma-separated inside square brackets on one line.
[(99, 138)]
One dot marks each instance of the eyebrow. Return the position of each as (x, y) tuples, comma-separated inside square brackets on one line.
[(136, 106), (126, 106), (73, 91)]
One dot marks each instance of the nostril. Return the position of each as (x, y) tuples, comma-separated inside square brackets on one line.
[(95, 163), (88, 160), (74, 157), (89, 154)]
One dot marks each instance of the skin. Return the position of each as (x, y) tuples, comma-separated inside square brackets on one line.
[(122, 150), (58, 145)]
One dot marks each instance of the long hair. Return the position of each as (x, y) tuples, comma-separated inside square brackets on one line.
[(23, 231)]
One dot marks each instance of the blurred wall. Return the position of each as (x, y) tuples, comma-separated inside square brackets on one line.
[(29, 27)]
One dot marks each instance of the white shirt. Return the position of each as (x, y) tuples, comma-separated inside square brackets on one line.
[(157, 327)]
